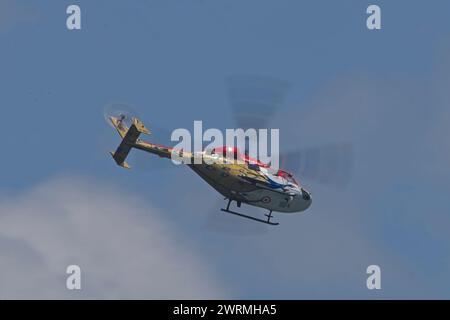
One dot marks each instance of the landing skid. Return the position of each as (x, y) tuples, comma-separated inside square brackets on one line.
[(269, 216)]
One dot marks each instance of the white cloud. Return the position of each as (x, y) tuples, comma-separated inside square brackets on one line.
[(123, 246)]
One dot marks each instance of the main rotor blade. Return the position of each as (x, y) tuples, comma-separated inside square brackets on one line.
[(255, 99), (329, 164)]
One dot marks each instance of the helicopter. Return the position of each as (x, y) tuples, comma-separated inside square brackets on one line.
[(235, 175)]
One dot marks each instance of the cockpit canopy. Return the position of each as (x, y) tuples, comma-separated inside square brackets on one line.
[(288, 176)]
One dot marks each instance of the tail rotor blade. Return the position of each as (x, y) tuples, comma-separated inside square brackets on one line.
[(122, 111)]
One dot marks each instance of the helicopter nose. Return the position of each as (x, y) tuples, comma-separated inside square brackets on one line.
[(306, 195), (307, 199)]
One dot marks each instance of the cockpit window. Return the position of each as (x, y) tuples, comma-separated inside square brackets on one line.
[(292, 180), (289, 177)]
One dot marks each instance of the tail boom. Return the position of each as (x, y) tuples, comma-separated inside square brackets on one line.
[(130, 139)]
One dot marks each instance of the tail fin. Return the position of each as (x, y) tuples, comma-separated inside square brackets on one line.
[(129, 138)]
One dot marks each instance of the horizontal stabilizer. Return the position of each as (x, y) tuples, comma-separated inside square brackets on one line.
[(120, 160), (140, 126), (129, 138)]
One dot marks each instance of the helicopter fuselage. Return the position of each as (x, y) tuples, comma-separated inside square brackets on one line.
[(249, 183)]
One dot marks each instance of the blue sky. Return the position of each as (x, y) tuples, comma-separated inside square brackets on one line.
[(384, 91)]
